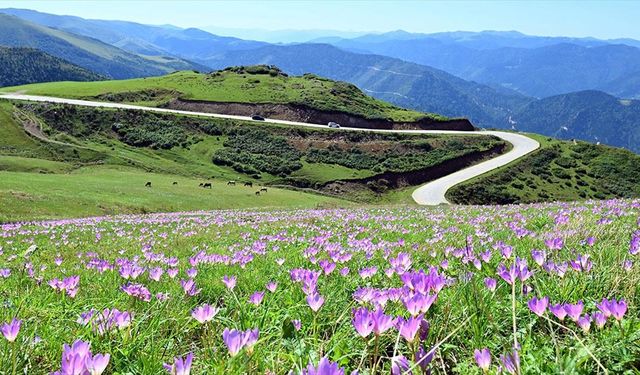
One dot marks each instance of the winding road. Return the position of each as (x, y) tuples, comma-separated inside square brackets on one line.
[(431, 193)]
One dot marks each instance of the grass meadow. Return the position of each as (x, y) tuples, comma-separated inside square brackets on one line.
[(533, 289)]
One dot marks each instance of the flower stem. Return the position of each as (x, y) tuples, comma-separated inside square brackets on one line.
[(14, 360), (375, 355), (513, 316)]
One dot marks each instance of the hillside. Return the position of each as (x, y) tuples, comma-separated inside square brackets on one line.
[(251, 86), (558, 171), (192, 44), (19, 66), (588, 115), (86, 52), (116, 152)]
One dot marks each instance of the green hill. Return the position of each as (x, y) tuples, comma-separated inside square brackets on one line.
[(78, 161), (19, 66), (253, 85), (86, 52), (558, 171)]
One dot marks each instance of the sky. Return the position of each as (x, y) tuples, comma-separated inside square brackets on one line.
[(600, 19)]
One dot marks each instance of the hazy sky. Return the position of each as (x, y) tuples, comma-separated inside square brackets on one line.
[(602, 19)]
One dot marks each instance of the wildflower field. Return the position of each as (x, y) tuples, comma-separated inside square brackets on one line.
[(535, 289)]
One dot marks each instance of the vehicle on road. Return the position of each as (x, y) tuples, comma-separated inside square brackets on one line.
[(257, 118), (333, 125)]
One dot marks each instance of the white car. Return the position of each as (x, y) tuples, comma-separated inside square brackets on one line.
[(333, 125)]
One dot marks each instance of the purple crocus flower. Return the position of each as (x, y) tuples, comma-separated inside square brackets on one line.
[(137, 290), (156, 273), (256, 298), (10, 330), (483, 358), (325, 367), (558, 310), (539, 256), (509, 275), (362, 321), (423, 358), (538, 306), (189, 287), (599, 319), (618, 308), (574, 310), (400, 366), (315, 301), (180, 366), (511, 362), (381, 321), (409, 328), (251, 337), (272, 286), (192, 272), (490, 283), (78, 359), (230, 282), (297, 324), (204, 313), (554, 243), (419, 303), (584, 322), (172, 272), (234, 340), (96, 364)]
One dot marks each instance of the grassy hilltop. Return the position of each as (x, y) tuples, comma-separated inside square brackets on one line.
[(255, 84)]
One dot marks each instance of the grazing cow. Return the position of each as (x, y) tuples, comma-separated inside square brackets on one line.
[(264, 190), (175, 182), (249, 184), (148, 184), (233, 183), (207, 185), (257, 193)]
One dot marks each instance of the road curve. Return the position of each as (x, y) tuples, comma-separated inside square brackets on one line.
[(431, 193)]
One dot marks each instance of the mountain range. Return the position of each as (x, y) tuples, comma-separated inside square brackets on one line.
[(533, 66), (496, 79)]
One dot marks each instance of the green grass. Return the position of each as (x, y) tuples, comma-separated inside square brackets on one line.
[(265, 246), (558, 171), (230, 86), (328, 172), (96, 191)]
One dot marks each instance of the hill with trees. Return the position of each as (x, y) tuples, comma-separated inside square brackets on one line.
[(19, 66)]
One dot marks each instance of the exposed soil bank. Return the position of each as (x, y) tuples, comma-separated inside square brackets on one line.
[(303, 113)]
